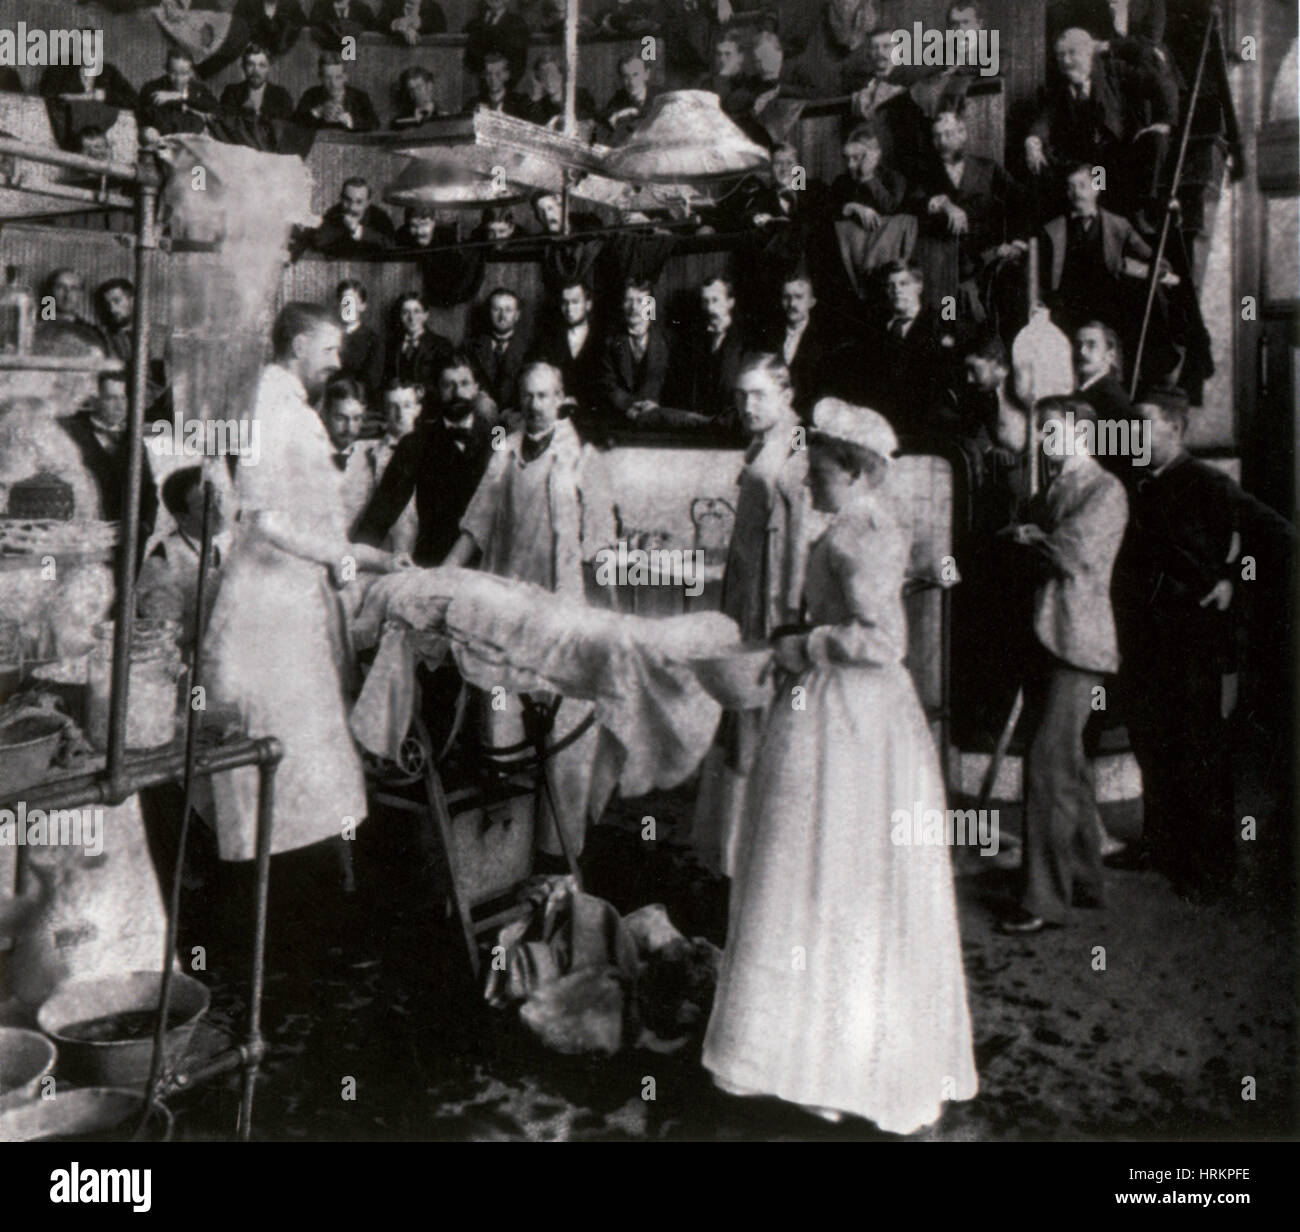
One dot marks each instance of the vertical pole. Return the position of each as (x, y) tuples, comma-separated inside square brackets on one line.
[(187, 803), (253, 1043), (570, 68), (1031, 415), (1153, 280), (145, 242)]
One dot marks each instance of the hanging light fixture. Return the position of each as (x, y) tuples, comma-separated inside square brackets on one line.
[(437, 177), (686, 136)]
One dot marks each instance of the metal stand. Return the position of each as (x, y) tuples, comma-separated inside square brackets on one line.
[(123, 777)]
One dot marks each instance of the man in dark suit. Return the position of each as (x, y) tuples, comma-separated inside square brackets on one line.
[(689, 30), (494, 92), (804, 344), (1178, 607), (257, 97), (361, 352), (441, 462), (1099, 373), (974, 218), (728, 67), (708, 361), (749, 103), (1106, 113), (909, 372), (100, 435), (862, 227), (70, 81), (496, 29), (334, 20), (1094, 266), (416, 354), (334, 103), (548, 107), (568, 342), (353, 227), (499, 354), (629, 103), (634, 360), (881, 93), (176, 102), (1075, 538), (273, 24)]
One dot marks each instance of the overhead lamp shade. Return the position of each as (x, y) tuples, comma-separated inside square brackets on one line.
[(438, 178), (686, 136)]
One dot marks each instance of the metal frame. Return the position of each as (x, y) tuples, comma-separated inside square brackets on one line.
[(122, 776)]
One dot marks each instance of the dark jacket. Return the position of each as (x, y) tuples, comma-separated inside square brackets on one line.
[(513, 104), (443, 478), (813, 371), (334, 239), (623, 380), (544, 110), (277, 103), (356, 102), (885, 192), (190, 116), (580, 372), (108, 469), (1119, 240), (423, 365), (509, 36), (906, 378), (1108, 398), (623, 113), (64, 79), (277, 34), (996, 207), (432, 19), (499, 374), (362, 356), (1122, 100), (360, 20), (703, 379)]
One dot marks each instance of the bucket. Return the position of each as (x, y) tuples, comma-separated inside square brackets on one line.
[(85, 1114), (27, 746), (25, 1058), (104, 1027)]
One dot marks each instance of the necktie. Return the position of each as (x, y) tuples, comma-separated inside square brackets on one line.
[(341, 460), (534, 447), (897, 328)]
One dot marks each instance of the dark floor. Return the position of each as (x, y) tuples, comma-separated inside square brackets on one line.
[(1193, 1002)]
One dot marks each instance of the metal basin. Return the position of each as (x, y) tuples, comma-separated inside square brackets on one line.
[(25, 1058), (106, 1060), (85, 1114), (27, 746)]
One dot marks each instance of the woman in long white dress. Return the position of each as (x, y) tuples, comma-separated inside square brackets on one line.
[(276, 652), (841, 986)]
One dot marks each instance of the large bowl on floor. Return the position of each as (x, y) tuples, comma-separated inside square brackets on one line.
[(28, 744), (25, 1058), (85, 1114), (104, 1027), (741, 679)]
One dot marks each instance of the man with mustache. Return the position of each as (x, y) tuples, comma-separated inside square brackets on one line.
[(441, 463)]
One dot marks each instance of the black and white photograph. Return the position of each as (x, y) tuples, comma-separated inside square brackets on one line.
[(649, 571)]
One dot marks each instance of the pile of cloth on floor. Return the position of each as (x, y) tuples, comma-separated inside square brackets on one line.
[(585, 980)]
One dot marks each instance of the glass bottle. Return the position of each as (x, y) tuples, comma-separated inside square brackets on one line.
[(17, 315)]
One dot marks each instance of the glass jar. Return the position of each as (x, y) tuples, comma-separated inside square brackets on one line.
[(17, 316), (156, 668)]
